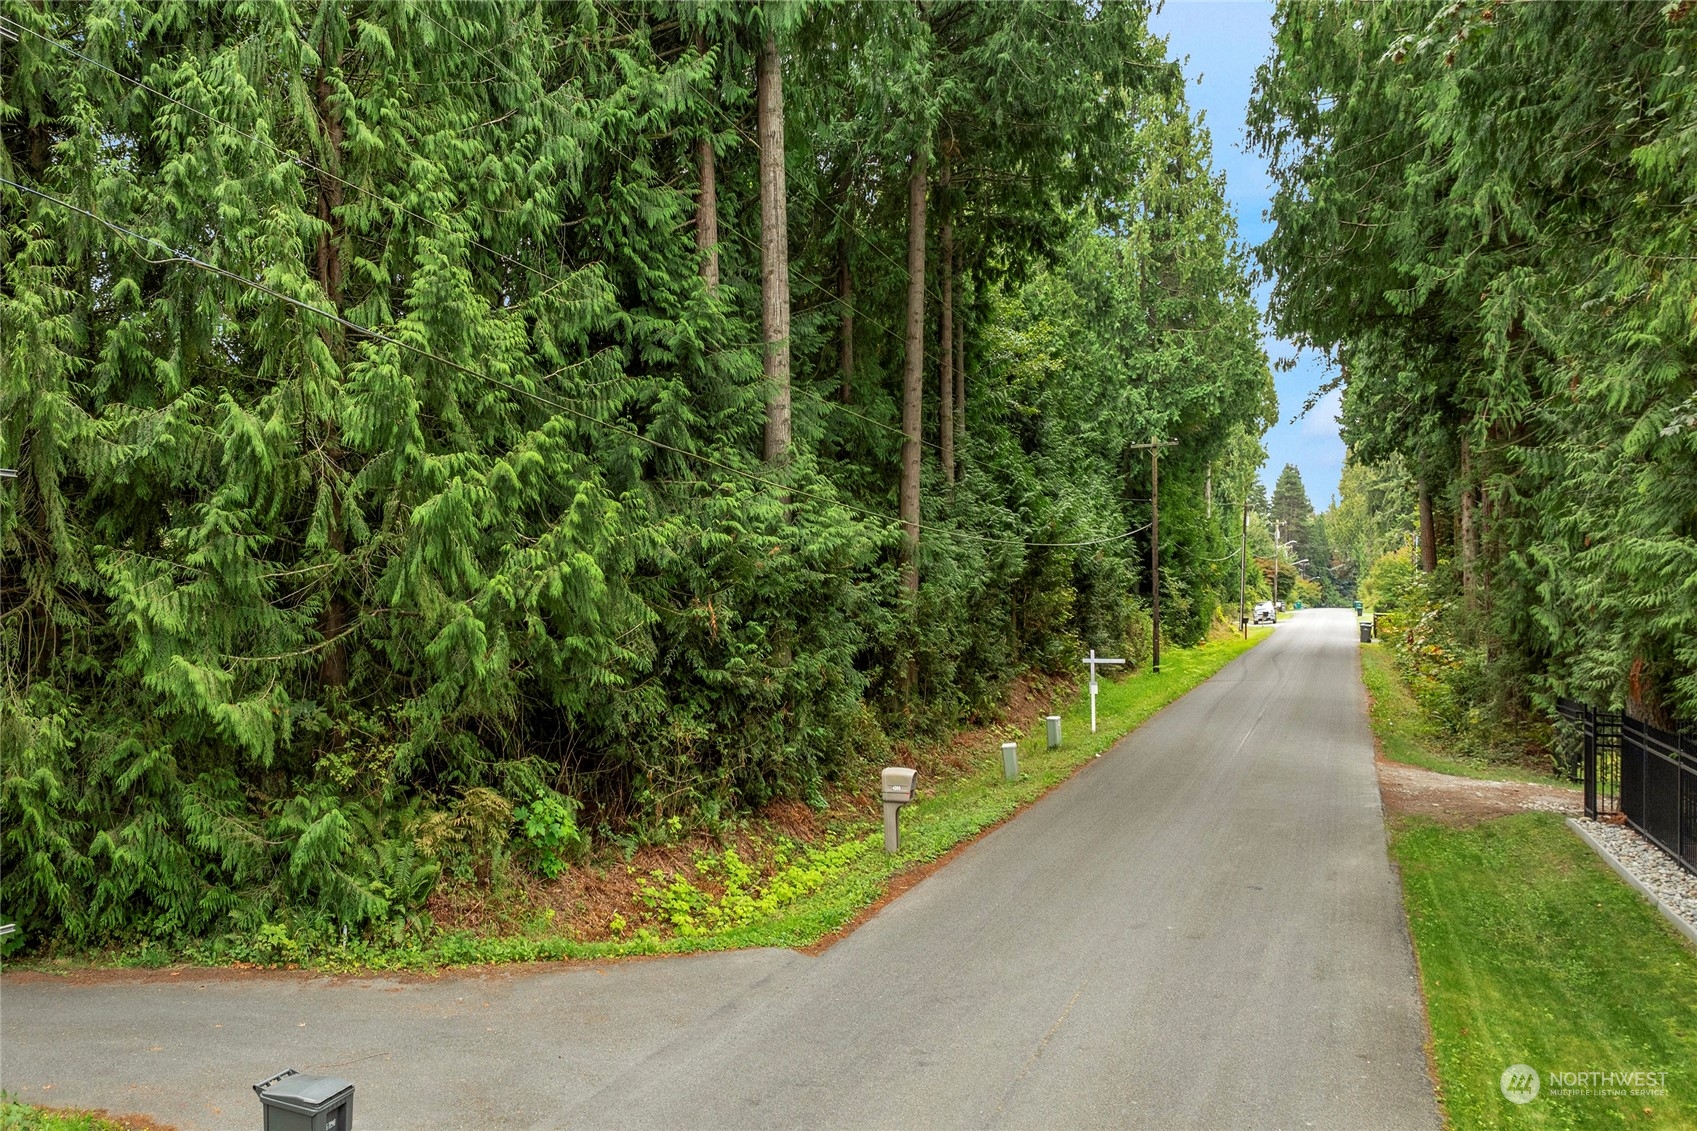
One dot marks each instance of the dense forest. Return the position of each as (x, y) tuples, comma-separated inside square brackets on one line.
[(1484, 217), (438, 422)]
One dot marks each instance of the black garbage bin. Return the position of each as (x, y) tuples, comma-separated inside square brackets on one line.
[(294, 1101), (1366, 632)]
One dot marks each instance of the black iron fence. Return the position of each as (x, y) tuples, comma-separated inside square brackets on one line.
[(1646, 774)]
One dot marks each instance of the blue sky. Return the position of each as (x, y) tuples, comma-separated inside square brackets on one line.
[(1225, 40)]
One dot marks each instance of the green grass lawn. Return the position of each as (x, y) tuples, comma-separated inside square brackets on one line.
[(1533, 952), (1406, 734)]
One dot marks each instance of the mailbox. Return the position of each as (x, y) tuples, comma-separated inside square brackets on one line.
[(897, 790), (898, 784)]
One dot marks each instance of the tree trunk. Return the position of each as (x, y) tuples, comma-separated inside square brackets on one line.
[(913, 379), (946, 344), (1428, 532), (333, 618), (707, 204), (329, 196), (1469, 527), (845, 293), (774, 254), (1644, 697), (1486, 525), (960, 379)]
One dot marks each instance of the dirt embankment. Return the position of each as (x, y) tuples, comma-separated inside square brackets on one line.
[(586, 901), (1409, 791)]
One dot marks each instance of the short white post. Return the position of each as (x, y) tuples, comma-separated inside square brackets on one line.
[(1054, 725), (1010, 760), (1094, 661)]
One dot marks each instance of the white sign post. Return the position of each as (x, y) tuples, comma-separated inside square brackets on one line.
[(1093, 661)]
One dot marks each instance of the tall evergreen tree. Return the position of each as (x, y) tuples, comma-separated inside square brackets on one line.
[(390, 387), (1505, 189)]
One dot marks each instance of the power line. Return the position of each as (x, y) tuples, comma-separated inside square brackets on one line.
[(179, 256)]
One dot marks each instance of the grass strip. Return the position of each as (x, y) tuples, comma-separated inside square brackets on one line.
[(939, 821), (1408, 735), (1533, 952), (25, 1117)]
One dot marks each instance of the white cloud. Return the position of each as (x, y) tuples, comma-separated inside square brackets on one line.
[(1322, 420)]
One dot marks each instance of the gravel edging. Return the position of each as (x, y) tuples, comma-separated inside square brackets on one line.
[(1647, 868)]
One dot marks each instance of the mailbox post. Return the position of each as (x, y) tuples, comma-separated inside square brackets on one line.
[(897, 790), (1094, 661)]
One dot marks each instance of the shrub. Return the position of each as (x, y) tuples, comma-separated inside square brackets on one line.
[(1390, 584), (549, 825)]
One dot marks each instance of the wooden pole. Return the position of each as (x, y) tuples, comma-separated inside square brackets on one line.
[(1243, 571), (1155, 447), (1155, 548)]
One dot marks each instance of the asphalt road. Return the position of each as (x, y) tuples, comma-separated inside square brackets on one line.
[(1201, 929)]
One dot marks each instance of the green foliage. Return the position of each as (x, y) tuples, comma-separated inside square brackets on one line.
[(426, 528), (1372, 515), (1484, 214), (16, 1116), (1391, 585), (1293, 514), (1408, 733), (1461, 689), (941, 820), (549, 825), (692, 912)]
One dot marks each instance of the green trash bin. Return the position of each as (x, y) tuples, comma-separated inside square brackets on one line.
[(294, 1101)]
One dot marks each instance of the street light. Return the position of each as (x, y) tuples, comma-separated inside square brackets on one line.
[(1297, 566), (1277, 548)]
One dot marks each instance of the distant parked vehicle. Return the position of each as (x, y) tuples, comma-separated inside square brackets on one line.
[(1264, 613)]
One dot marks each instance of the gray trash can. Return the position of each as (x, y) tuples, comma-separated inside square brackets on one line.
[(1366, 632), (294, 1101)]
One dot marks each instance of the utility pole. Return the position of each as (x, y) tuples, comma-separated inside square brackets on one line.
[(1155, 447), (1278, 528), (1243, 572)]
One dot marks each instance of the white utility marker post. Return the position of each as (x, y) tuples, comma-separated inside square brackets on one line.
[(1093, 661)]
